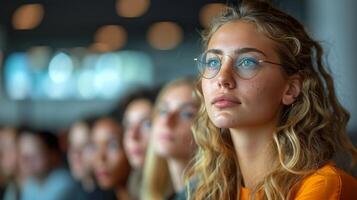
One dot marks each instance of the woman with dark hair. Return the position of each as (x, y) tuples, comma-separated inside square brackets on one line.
[(110, 163), (269, 123), (137, 128), (40, 162)]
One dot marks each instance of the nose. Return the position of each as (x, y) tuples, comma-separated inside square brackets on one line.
[(225, 77), (135, 133), (171, 119), (100, 156)]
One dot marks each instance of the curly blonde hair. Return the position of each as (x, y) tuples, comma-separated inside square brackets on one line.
[(310, 132)]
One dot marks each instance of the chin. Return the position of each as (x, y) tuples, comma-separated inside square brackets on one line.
[(164, 152), (223, 121), (221, 124), (137, 164), (105, 184)]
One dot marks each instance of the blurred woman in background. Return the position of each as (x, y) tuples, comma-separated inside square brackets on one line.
[(41, 167), (80, 160), (137, 127), (171, 144), (9, 163), (111, 166)]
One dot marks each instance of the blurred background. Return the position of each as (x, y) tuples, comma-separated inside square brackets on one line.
[(65, 60)]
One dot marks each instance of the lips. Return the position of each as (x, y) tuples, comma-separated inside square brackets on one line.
[(102, 174), (225, 101), (136, 152)]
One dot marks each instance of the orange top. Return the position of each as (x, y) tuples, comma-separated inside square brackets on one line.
[(327, 183)]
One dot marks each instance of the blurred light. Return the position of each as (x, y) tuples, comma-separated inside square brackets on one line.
[(86, 76), (60, 68), (90, 61), (28, 16), (79, 52), (39, 57), (110, 38), (110, 75), (138, 68), (85, 84), (132, 8), (208, 12), (17, 76), (39, 88), (107, 82), (164, 35), (60, 90), (99, 47)]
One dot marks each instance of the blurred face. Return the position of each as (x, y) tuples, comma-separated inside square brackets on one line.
[(33, 156), (172, 123), (232, 101), (78, 155), (137, 122), (111, 166), (9, 152)]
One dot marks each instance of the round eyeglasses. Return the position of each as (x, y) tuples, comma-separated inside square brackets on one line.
[(245, 66)]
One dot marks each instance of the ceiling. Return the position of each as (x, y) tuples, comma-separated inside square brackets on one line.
[(69, 23)]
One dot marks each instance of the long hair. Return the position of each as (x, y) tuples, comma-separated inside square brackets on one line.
[(157, 183), (310, 131)]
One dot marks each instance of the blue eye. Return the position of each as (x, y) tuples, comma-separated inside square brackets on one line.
[(186, 115), (163, 112), (213, 63), (146, 124), (113, 145), (247, 63)]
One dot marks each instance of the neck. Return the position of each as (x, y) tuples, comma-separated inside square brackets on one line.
[(88, 183), (253, 148), (121, 193), (176, 168)]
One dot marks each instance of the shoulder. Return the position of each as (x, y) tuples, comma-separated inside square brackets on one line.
[(328, 183)]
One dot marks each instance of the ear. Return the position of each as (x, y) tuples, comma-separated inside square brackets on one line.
[(292, 90)]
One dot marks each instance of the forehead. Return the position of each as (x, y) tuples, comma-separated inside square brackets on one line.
[(138, 106), (241, 34), (30, 143), (78, 135), (105, 130), (177, 94)]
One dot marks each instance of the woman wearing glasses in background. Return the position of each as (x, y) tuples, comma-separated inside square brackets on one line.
[(269, 122)]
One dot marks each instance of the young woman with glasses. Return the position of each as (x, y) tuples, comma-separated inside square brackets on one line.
[(269, 123)]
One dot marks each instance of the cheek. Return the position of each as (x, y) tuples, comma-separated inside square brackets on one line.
[(186, 146), (144, 140), (114, 158), (156, 129), (96, 160), (184, 134), (127, 143), (264, 96), (188, 138)]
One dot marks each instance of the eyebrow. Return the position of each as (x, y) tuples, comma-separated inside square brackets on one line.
[(182, 106), (238, 51), (188, 105)]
